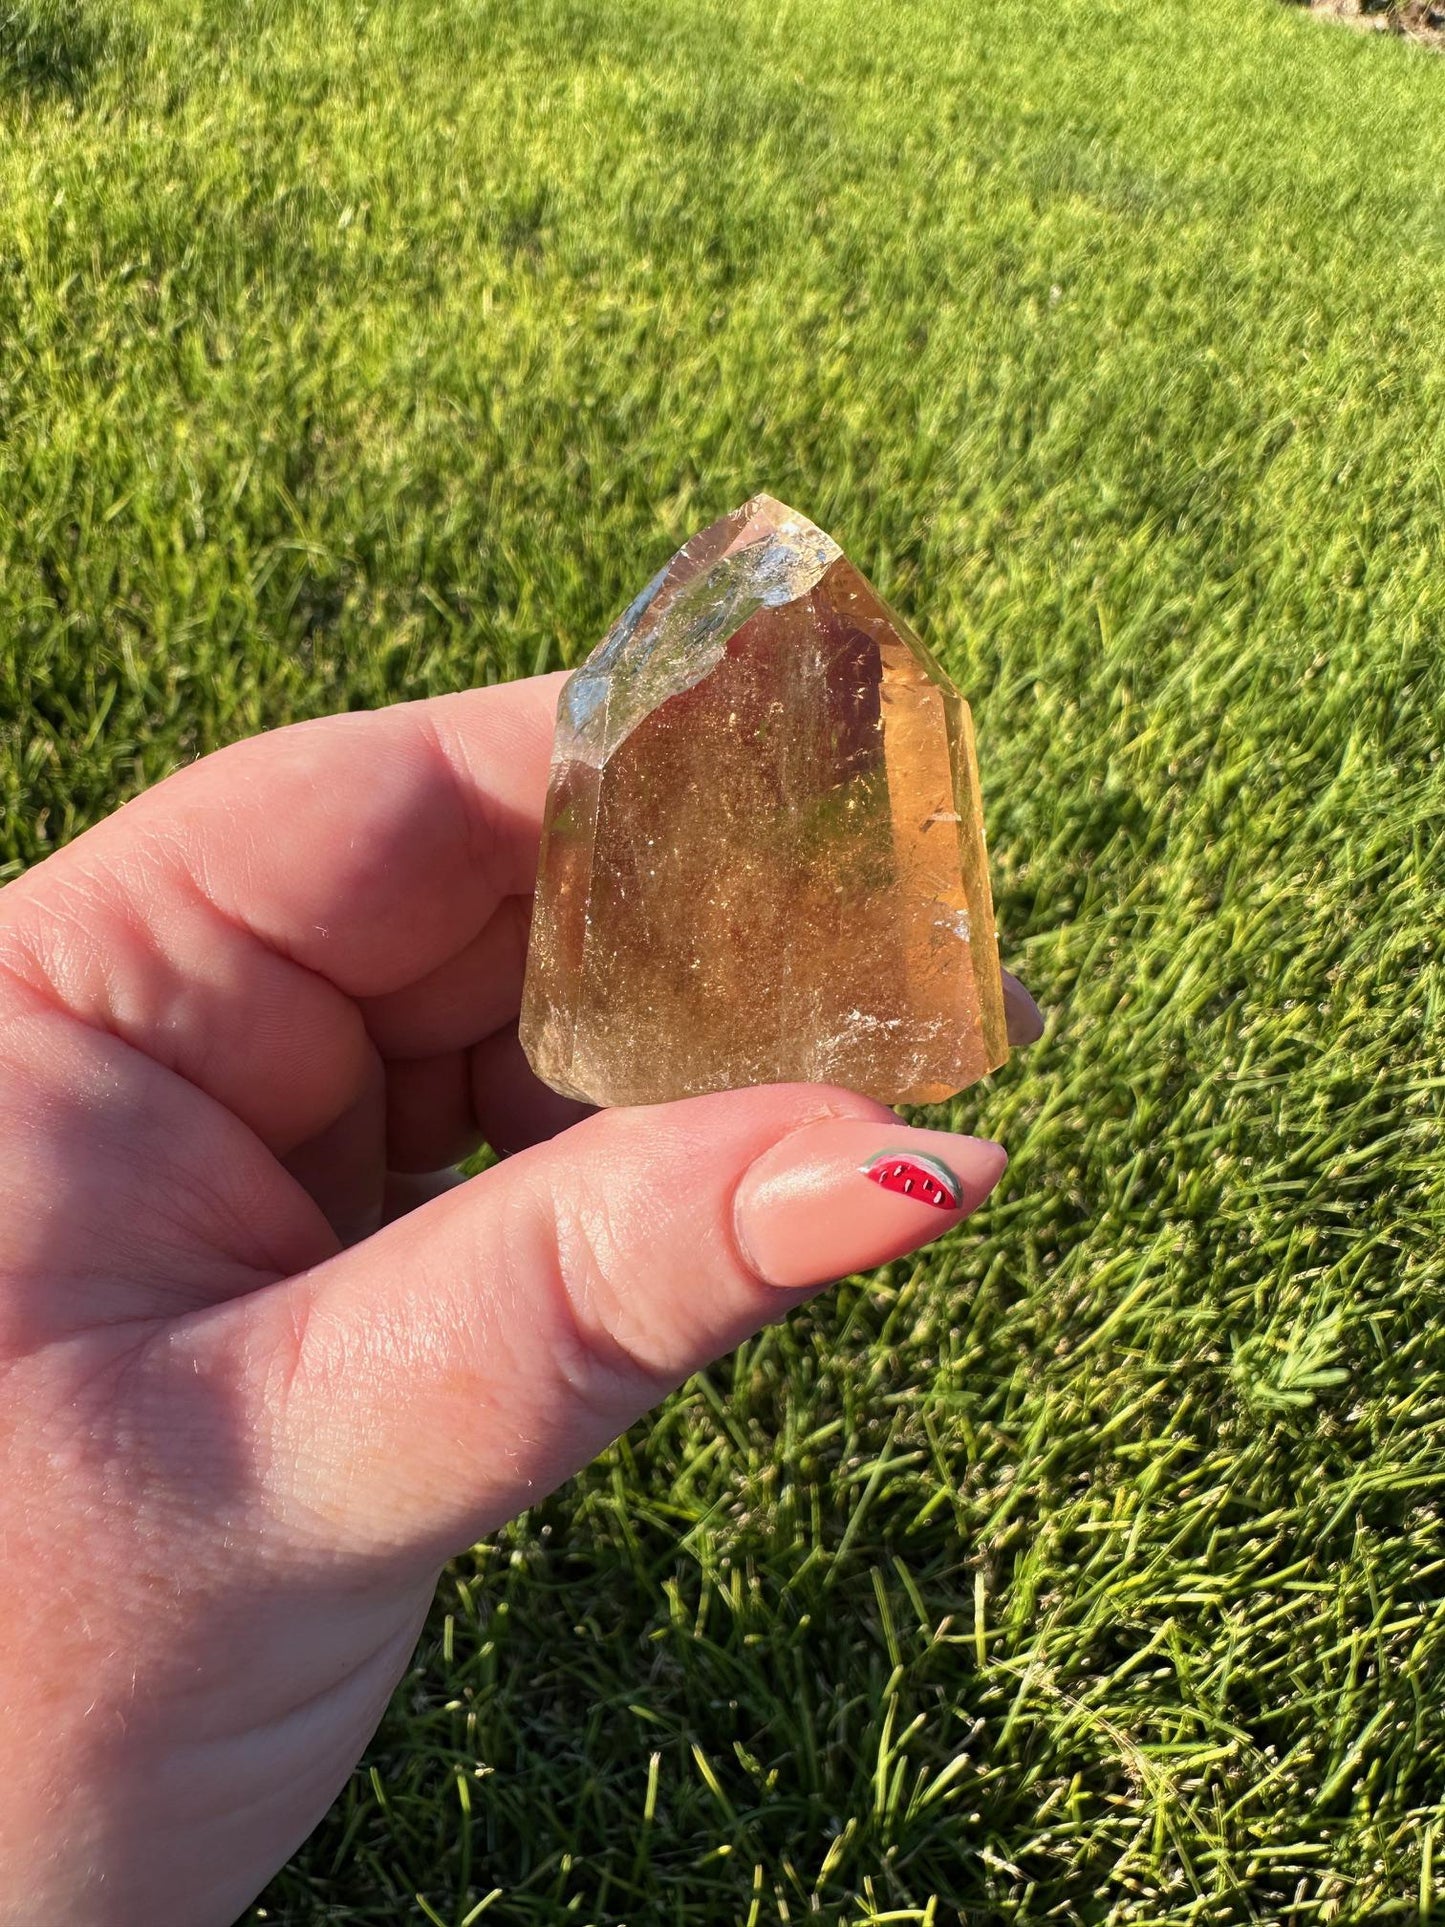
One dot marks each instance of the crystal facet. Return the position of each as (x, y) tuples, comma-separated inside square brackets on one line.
[(763, 853)]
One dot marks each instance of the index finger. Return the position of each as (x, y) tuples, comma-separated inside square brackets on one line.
[(226, 922)]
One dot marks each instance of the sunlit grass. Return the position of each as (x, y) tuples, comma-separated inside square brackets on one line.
[(1091, 1569)]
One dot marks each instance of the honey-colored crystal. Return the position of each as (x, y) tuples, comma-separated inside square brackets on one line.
[(763, 854)]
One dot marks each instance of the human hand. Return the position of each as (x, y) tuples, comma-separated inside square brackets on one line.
[(246, 1420)]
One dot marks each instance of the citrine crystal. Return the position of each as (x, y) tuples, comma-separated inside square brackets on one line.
[(763, 852)]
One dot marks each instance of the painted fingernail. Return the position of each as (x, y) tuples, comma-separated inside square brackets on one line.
[(844, 1195), (1022, 1016)]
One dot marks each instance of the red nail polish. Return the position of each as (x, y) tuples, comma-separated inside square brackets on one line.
[(918, 1176)]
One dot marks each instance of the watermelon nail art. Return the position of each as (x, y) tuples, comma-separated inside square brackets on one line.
[(916, 1175)]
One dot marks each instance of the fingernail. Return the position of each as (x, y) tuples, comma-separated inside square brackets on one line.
[(1022, 1016), (844, 1195)]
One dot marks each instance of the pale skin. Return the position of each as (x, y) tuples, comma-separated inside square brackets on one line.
[(264, 1363)]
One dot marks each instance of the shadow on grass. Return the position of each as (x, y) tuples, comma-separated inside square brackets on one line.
[(53, 49)]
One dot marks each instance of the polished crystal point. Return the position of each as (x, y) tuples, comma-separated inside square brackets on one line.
[(763, 853)]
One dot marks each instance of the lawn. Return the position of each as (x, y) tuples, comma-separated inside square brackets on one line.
[(1090, 1568)]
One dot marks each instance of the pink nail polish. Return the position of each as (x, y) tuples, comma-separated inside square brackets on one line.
[(844, 1195), (1024, 1018)]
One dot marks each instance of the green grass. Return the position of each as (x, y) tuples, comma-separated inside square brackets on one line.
[(1091, 1569)]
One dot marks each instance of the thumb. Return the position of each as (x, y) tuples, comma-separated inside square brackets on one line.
[(410, 1394)]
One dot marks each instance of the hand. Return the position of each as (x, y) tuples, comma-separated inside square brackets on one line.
[(246, 1420)]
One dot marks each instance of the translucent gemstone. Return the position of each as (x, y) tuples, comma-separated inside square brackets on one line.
[(763, 853)]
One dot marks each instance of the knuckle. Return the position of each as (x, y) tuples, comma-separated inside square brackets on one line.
[(598, 1349)]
